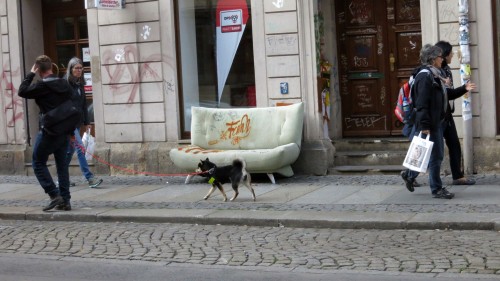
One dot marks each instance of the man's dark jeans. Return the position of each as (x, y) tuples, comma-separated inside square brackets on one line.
[(44, 146), (454, 149), (435, 160)]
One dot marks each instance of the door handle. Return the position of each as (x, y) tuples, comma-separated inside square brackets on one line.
[(392, 61)]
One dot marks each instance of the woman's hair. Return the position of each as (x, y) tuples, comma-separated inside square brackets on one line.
[(69, 71), (447, 48), (429, 53), (43, 63)]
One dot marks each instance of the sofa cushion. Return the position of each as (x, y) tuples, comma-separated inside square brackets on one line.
[(258, 160)]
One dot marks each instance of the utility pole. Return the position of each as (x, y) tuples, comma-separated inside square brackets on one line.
[(465, 75)]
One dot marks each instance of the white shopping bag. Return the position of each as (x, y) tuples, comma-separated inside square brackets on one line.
[(419, 153), (89, 144)]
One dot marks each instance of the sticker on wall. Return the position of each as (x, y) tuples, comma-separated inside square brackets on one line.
[(146, 32), (279, 4), (120, 54), (284, 88)]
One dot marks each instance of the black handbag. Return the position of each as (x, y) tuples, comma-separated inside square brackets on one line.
[(61, 120)]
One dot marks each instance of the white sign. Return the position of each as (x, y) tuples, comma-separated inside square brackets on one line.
[(105, 4), (230, 21), (86, 54), (88, 82)]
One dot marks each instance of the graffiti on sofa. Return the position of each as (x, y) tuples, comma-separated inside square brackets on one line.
[(235, 131)]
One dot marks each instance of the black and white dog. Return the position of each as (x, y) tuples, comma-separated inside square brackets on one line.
[(236, 174)]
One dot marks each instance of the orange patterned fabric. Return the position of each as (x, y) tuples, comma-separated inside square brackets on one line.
[(197, 150)]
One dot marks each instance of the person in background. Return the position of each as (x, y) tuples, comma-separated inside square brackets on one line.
[(431, 104), (48, 93), (74, 75), (449, 129)]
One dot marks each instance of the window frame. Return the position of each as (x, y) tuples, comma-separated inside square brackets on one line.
[(184, 134)]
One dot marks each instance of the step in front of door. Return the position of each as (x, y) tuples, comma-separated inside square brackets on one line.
[(366, 170), (74, 169), (369, 155), (371, 144), (367, 158)]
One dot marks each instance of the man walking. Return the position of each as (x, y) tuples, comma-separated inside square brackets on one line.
[(48, 93)]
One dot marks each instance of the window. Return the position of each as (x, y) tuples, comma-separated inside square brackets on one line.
[(211, 54)]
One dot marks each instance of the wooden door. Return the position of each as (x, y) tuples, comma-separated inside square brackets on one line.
[(405, 42), (66, 36), (379, 44)]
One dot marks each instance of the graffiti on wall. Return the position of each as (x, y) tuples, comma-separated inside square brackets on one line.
[(125, 78), (13, 101), (363, 122)]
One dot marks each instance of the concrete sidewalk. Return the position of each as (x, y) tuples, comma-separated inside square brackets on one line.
[(374, 201)]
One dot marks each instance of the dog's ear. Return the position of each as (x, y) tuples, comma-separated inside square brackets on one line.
[(207, 159)]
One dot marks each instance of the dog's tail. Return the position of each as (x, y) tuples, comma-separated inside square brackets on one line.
[(240, 163)]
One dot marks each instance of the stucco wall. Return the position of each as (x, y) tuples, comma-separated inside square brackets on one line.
[(127, 73), (12, 129), (440, 22)]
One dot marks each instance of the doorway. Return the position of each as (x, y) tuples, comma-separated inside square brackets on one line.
[(379, 44), (65, 36)]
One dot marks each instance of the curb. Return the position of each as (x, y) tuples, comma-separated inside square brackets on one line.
[(293, 219)]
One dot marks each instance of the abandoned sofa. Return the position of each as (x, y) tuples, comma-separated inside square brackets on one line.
[(267, 138)]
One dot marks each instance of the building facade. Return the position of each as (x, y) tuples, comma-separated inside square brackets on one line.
[(149, 61)]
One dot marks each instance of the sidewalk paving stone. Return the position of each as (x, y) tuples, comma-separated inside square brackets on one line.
[(365, 201)]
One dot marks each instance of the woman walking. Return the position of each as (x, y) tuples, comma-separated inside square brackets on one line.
[(74, 76)]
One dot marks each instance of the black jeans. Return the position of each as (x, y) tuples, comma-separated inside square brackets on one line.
[(44, 146), (455, 151)]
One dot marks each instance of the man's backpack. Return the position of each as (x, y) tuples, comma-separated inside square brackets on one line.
[(404, 106), (61, 120)]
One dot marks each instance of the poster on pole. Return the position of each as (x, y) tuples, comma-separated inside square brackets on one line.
[(231, 20)]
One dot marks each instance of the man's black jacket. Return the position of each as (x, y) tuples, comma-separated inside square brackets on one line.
[(48, 92)]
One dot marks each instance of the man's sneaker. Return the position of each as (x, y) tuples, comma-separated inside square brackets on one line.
[(66, 206), (93, 182), (408, 182), (54, 201), (443, 194), (70, 184)]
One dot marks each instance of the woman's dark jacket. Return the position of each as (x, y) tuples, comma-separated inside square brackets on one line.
[(430, 101), (79, 100), (447, 73)]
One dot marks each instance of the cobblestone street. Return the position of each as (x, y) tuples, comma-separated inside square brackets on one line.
[(327, 249)]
